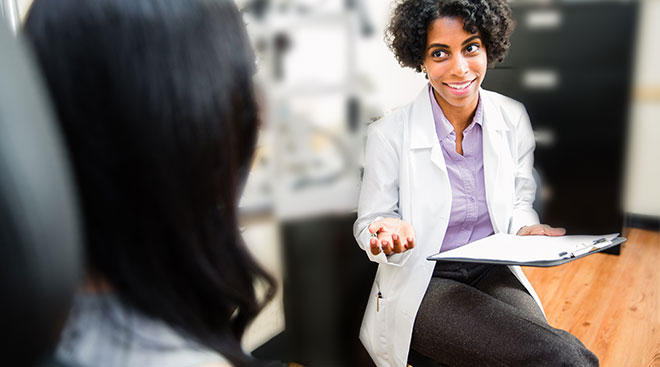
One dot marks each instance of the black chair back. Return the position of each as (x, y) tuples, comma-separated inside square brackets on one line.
[(40, 262)]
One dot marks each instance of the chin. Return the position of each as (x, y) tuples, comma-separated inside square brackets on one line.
[(461, 101)]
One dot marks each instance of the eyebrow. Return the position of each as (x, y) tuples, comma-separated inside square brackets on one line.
[(442, 45)]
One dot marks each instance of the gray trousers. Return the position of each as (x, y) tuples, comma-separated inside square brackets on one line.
[(480, 315)]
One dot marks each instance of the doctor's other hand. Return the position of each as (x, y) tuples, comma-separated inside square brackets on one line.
[(541, 230), (393, 236)]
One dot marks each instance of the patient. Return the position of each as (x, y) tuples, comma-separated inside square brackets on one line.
[(155, 101)]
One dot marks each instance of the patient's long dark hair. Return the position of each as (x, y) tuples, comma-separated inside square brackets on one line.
[(155, 99)]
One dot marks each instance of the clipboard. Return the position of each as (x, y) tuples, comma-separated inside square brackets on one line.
[(561, 257)]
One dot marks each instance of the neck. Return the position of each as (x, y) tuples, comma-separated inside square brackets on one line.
[(460, 117), (95, 284)]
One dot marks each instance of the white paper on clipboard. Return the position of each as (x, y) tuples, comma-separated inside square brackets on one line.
[(503, 247)]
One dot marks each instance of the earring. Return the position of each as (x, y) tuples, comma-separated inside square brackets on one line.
[(423, 69)]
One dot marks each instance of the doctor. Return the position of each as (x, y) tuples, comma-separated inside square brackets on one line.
[(450, 168)]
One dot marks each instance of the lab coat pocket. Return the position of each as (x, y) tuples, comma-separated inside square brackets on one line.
[(381, 318)]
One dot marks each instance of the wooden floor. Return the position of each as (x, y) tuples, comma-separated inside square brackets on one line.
[(611, 303)]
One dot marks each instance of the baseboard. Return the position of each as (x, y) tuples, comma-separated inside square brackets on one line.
[(648, 222)]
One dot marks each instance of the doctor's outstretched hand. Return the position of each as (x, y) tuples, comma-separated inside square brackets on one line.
[(392, 236), (541, 230)]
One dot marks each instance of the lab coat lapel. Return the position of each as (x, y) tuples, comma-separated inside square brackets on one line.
[(423, 135), (494, 149)]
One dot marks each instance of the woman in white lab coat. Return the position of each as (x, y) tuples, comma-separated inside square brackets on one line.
[(453, 166)]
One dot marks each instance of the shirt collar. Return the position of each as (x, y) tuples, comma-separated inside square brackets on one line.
[(443, 127)]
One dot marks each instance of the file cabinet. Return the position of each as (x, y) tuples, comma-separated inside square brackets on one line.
[(570, 64)]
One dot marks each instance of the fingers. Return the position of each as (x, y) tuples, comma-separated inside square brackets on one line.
[(546, 230), (535, 230), (541, 230), (538, 230), (373, 244), (376, 245), (387, 247), (556, 232), (411, 242), (409, 232), (397, 246), (524, 231)]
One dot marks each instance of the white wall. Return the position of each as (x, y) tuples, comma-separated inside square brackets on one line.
[(642, 185), (23, 6)]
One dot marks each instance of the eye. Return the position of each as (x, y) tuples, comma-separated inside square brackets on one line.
[(472, 48), (439, 54)]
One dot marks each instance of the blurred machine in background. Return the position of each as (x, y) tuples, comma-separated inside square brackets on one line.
[(312, 114), (570, 64), (306, 174)]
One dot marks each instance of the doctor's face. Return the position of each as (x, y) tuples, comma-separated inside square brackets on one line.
[(455, 62)]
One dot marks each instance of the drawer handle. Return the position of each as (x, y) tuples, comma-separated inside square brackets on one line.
[(540, 79), (543, 19)]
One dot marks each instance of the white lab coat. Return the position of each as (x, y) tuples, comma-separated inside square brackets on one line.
[(406, 177)]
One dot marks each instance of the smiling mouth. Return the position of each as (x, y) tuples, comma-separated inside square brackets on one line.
[(460, 86)]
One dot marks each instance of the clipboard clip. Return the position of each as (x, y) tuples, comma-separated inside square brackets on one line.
[(581, 251)]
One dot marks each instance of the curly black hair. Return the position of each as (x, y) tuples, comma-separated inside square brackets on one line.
[(406, 33)]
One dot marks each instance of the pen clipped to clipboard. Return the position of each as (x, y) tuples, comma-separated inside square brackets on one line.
[(585, 249)]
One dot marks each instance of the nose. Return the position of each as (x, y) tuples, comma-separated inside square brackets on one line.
[(460, 65)]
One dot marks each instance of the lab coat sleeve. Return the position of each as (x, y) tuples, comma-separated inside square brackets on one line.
[(525, 186), (379, 193)]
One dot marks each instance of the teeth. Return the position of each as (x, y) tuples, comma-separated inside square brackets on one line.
[(459, 86)]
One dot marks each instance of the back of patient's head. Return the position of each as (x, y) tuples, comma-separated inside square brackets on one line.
[(156, 104)]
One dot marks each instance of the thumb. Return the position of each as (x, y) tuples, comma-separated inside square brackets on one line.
[(375, 227)]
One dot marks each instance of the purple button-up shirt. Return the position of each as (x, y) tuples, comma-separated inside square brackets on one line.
[(469, 219)]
